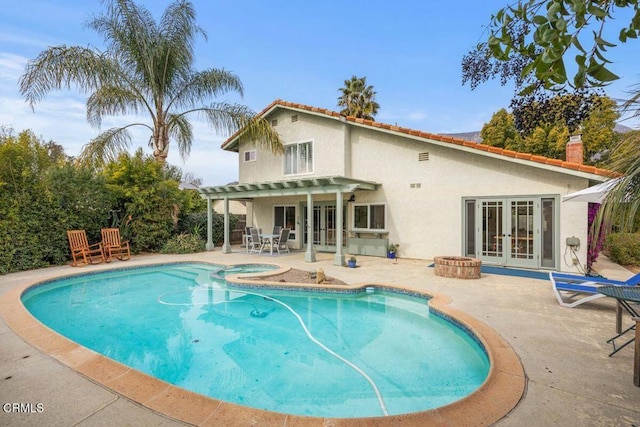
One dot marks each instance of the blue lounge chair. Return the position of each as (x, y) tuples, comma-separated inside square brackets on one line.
[(567, 287)]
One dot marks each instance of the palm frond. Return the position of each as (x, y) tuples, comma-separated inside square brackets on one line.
[(181, 129), (632, 104), (61, 66), (230, 118), (204, 84), (107, 146), (128, 30), (178, 27), (621, 207), (111, 100), (259, 132)]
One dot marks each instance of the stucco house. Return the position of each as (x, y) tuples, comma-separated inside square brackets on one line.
[(371, 184)]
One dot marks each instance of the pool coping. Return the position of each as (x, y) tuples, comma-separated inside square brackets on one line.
[(499, 394)]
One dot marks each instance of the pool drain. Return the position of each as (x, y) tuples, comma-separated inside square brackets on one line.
[(256, 313)]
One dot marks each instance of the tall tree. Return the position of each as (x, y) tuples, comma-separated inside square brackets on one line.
[(544, 107), (543, 126), (548, 139), (598, 134), (501, 132), (358, 99), (146, 69)]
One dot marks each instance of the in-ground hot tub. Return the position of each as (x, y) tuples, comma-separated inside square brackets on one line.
[(457, 267)]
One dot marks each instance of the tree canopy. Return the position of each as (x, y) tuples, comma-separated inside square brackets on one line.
[(146, 70), (544, 33), (533, 39), (358, 99), (543, 126), (501, 131)]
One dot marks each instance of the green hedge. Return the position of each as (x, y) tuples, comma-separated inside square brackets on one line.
[(623, 248), (44, 194)]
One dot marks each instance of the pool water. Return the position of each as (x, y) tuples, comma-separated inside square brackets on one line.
[(317, 354)]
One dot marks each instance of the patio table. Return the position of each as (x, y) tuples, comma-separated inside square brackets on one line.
[(269, 238), (625, 297)]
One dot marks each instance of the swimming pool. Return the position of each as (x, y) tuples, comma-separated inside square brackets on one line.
[(321, 354)]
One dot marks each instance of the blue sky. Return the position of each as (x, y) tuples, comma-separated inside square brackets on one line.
[(299, 51)]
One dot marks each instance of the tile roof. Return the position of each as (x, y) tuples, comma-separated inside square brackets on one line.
[(433, 136)]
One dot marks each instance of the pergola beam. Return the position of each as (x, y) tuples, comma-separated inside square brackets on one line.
[(294, 187)]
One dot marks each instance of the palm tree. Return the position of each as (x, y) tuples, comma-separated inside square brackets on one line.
[(358, 99), (621, 207), (147, 69)]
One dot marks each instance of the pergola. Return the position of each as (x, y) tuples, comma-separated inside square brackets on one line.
[(308, 187)]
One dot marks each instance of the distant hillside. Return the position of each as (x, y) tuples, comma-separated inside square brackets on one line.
[(468, 136), (622, 128), (475, 136)]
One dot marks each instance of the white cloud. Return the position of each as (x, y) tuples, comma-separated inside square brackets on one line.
[(417, 115), (23, 40), (11, 65), (210, 163), (404, 118)]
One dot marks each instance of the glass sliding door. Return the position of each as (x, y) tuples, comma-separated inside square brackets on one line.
[(285, 217)]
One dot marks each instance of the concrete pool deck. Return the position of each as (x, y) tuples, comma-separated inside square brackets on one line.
[(570, 378)]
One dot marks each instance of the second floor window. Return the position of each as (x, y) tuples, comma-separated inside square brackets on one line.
[(250, 156), (298, 158)]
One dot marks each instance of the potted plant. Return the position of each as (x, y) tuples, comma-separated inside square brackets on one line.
[(392, 249), (351, 262)]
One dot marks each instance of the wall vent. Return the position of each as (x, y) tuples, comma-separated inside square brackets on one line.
[(294, 118), (423, 157), (415, 185), (274, 122)]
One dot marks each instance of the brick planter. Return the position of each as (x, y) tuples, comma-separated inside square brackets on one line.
[(457, 267)]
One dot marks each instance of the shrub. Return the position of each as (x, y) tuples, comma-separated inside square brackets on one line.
[(196, 223), (147, 197), (624, 248), (183, 244)]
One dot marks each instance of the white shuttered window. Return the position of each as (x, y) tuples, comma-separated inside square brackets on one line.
[(298, 158)]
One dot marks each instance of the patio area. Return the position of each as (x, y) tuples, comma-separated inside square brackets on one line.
[(570, 378)]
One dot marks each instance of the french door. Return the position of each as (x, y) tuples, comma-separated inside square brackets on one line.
[(512, 231), (325, 227)]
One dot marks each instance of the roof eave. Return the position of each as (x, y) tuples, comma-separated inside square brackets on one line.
[(574, 169)]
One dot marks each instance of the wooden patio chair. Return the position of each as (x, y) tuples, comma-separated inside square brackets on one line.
[(82, 251), (113, 246)]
